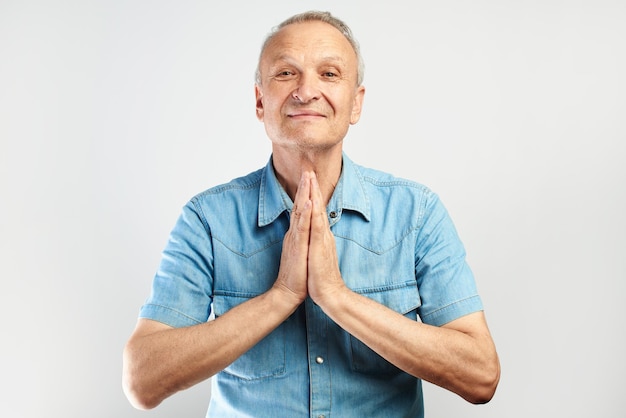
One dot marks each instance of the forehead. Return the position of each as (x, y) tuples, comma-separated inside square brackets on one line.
[(308, 40)]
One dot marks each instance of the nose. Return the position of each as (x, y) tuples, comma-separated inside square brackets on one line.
[(307, 89)]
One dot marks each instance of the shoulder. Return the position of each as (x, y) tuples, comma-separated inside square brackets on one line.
[(399, 193), (245, 183), (227, 198), (381, 179)]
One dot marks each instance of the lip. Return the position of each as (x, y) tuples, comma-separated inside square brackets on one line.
[(305, 114)]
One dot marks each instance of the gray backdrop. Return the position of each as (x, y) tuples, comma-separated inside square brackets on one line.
[(114, 113)]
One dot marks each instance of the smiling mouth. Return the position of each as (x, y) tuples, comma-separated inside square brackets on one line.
[(305, 115)]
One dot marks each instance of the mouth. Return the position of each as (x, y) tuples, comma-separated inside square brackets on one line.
[(305, 114)]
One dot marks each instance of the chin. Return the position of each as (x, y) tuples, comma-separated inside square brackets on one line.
[(303, 139)]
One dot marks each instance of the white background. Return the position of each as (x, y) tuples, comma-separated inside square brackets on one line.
[(114, 113)]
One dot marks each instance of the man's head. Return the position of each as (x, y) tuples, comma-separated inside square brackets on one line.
[(325, 17), (308, 88)]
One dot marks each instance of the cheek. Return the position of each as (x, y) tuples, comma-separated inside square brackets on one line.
[(272, 105)]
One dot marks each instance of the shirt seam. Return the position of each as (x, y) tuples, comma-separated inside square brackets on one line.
[(167, 308), (442, 308), (247, 255), (393, 286), (380, 252)]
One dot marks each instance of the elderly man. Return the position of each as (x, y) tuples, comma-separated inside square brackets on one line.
[(336, 289)]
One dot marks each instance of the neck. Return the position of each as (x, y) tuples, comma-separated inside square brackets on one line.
[(290, 165)]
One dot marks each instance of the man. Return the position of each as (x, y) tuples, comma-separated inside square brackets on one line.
[(336, 289)]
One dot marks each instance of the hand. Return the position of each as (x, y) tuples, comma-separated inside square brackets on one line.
[(324, 277), (292, 274)]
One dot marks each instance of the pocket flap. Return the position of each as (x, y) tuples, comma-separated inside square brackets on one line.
[(401, 297)]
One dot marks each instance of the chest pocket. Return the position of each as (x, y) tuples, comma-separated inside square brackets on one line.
[(264, 360), (402, 298)]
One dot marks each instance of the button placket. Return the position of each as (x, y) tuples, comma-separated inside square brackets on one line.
[(319, 372)]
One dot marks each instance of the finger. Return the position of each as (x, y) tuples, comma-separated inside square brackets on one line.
[(303, 221), (319, 219), (304, 190), (302, 195)]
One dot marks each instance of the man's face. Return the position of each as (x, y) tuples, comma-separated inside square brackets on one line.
[(308, 94)]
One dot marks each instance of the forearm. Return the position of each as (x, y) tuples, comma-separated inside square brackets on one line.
[(161, 361), (463, 362)]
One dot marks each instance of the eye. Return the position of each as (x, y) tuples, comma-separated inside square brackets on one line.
[(284, 74), (329, 74)]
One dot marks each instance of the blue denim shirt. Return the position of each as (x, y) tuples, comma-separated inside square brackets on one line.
[(396, 244)]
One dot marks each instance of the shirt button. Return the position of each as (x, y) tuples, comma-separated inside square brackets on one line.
[(333, 214), (319, 360), (321, 416)]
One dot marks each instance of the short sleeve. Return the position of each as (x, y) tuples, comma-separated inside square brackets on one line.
[(181, 290), (446, 284)]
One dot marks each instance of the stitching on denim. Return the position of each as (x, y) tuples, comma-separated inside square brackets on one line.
[(277, 372), (398, 182), (391, 286), (236, 294), (248, 255), (167, 308), (448, 306), (236, 184), (201, 215), (393, 245)]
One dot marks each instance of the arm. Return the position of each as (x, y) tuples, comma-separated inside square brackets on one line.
[(160, 360), (460, 356)]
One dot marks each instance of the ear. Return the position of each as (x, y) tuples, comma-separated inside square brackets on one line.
[(259, 102), (357, 105)]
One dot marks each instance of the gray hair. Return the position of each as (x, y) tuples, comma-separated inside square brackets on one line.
[(312, 16)]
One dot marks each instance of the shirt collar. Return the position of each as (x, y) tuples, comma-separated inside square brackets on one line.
[(349, 194)]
